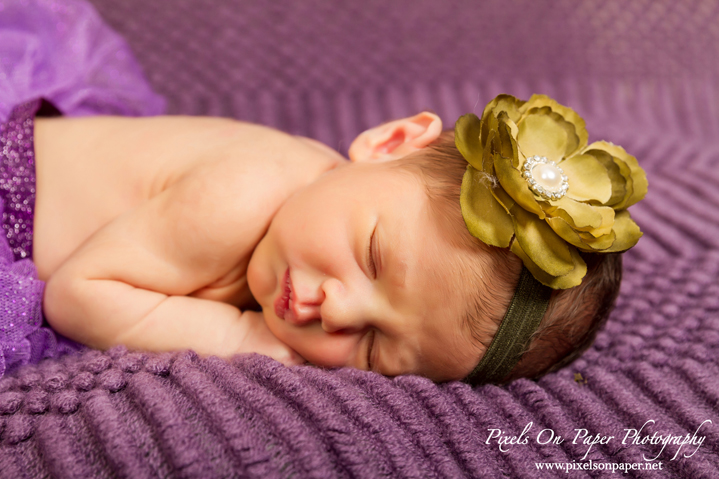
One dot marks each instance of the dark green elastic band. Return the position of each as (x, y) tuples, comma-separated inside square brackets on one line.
[(521, 320)]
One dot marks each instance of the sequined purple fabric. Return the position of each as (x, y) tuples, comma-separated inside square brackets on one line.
[(61, 51), (20, 290), (17, 178), (23, 339)]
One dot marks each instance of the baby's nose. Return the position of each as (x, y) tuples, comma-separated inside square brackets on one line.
[(300, 314)]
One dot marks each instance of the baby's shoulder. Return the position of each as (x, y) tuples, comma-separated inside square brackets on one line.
[(255, 163), (224, 146), (243, 174)]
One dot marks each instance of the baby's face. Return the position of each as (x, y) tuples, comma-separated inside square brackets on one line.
[(354, 272)]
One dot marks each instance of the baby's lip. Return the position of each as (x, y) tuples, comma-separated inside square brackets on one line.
[(282, 303), (287, 305)]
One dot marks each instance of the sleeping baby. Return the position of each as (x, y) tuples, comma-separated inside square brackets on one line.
[(486, 253)]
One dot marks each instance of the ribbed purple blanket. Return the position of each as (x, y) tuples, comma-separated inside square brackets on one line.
[(643, 74)]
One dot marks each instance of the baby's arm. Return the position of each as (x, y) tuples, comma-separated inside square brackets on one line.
[(127, 284)]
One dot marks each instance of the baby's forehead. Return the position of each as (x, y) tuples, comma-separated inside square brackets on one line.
[(382, 182), (446, 274), (465, 277)]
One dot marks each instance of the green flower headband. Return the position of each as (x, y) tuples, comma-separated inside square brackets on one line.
[(534, 185)]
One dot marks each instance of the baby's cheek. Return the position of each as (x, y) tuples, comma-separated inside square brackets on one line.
[(260, 278), (339, 351), (321, 348)]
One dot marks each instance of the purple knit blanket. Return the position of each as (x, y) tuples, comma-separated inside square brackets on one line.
[(645, 396)]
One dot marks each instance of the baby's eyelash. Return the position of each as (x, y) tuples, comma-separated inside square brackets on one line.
[(370, 256)]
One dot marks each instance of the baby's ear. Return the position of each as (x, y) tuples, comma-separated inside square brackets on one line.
[(397, 138)]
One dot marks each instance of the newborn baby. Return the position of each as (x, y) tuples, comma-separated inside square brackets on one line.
[(224, 237)]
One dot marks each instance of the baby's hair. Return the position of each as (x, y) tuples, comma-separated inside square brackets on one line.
[(574, 315)]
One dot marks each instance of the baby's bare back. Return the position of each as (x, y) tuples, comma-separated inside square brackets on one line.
[(140, 222)]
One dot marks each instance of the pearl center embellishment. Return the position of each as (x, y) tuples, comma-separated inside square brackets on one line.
[(545, 178)]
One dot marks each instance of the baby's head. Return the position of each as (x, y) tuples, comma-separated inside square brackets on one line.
[(573, 316), (373, 266)]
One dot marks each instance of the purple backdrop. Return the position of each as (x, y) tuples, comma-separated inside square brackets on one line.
[(643, 74)]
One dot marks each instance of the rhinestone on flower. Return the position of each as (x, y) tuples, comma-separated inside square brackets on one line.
[(545, 178)]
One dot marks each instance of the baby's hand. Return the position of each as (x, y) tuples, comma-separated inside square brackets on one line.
[(259, 339)]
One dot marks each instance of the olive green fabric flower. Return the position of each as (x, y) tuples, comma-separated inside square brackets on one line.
[(535, 186)]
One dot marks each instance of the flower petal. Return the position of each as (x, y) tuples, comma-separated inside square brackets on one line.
[(516, 185), (544, 133), (619, 183), (507, 103), (588, 179), (627, 231), (466, 138), (484, 216), (507, 131), (546, 249), (636, 178), (488, 154), (599, 243), (569, 115), (488, 123), (565, 231), (583, 241), (569, 280), (579, 215), (608, 215), (503, 198)]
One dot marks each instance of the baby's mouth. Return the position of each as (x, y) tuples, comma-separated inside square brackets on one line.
[(284, 301)]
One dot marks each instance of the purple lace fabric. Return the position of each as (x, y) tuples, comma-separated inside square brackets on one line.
[(63, 52)]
